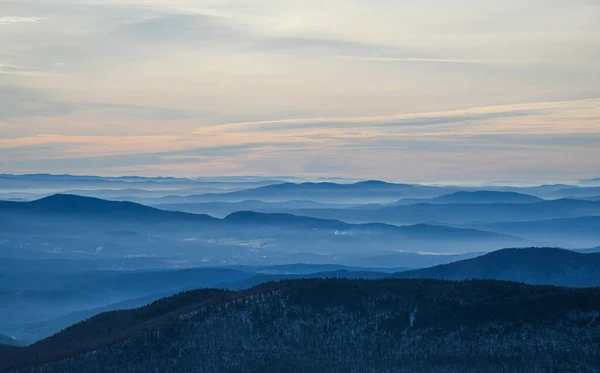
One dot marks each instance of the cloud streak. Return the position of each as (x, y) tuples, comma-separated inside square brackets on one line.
[(519, 135), (482, 114)]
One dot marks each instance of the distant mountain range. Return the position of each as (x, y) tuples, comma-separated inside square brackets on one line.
[(380, 192), (335, 326), (417, 231), (325, 192), (131, 188), (78, 215), (574, 232), (222, 209), (460, 213), (162, 190)]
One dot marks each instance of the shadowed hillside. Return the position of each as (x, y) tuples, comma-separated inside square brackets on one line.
[(531, 265)]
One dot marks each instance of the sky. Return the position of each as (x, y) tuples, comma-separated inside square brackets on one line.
[(428, 90)]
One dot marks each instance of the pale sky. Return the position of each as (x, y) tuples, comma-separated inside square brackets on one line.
[(409, 90)]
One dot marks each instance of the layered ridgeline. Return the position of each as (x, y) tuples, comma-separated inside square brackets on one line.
[(460, 212), (583, 231), (150, 190), (225, 208), (74, 225), (361, 192), (335, 326), (28, 187), (374, 191)]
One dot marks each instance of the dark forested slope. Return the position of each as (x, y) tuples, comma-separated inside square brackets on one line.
[(336, 326)]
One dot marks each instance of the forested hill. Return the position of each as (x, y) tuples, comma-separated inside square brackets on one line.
[(534, 265), (336, 325)]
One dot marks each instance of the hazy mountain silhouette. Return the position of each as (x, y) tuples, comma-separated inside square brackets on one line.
[(460, 213), (592, 250), (335, 326), (77, 207), (581, 231), (307, 269), (118, 227), (578, 191), (222, 209), (482, 196), (592, 198), (418, 231), (361, 192), (68, 205), (594, 180), (532, 265)]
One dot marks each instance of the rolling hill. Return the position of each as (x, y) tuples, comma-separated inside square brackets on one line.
[(542, 266), (480, 196)]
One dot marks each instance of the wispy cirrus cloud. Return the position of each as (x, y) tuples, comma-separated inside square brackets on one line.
[(475, 89), (11, 20), (541, 117)]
